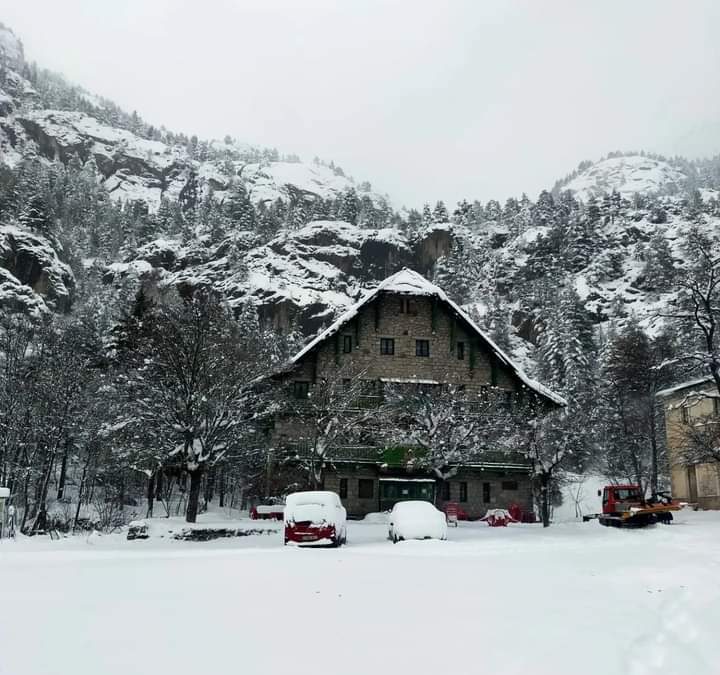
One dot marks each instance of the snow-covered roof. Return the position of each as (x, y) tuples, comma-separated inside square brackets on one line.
[(409, 282), (664, 393)]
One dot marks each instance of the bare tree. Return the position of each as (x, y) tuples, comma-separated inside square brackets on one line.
[(448, 426), (192, 388), (549, 443), (337, 411)]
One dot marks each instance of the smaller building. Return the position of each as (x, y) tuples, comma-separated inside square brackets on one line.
[(687, 406)]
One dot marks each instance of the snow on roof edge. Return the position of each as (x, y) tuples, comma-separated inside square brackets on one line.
[(409, 282), (663, 393)]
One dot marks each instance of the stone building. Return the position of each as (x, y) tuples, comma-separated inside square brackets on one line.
[(408, 333), (690, 406)]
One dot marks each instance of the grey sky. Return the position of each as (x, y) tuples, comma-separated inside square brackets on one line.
[(427, 100)]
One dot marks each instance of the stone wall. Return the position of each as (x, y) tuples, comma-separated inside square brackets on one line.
[(475, 505), (382, 318)]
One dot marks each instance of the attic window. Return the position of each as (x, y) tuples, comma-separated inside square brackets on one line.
[(347, 344), (404, 305)]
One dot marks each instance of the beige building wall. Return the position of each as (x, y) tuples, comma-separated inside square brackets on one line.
[(694, 483)]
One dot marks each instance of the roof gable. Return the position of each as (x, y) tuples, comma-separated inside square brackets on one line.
[(409, 282)]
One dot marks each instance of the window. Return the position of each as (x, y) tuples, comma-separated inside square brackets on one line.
[(461, 351), (366, 488), (509, 485), (404, 305), (446, 491), (343, 488), (422, 347), (716, 406), (486, 493), (387, 346), (301, 389), (347, 344), (463, 492), (685, 414)]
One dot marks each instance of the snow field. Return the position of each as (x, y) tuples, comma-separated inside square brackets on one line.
[(577, 598)]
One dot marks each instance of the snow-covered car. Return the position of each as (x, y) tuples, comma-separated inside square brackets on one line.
[(315, 518), (416, 520)]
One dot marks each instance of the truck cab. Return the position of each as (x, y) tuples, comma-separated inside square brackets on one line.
[(619, 498)]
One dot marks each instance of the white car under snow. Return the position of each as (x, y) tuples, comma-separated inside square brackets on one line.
[(416, 520)]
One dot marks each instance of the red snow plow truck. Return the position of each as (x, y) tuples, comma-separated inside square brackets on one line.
[(626, 506)]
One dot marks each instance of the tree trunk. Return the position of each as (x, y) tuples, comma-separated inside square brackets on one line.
[(545, 499), (653, 453), (63, 469), (222, 488), (194, 495), (150, 494)]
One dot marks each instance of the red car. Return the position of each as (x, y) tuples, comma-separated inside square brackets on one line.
[(315, 519)]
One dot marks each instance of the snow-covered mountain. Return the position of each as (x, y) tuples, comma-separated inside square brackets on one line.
[(314, 257), (628, 175), (134, 167)]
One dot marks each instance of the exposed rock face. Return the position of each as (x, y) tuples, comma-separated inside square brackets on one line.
[(32, 274), (303, 277)]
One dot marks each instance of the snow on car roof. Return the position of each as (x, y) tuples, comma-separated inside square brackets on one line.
[(311, 497), (409, 282)]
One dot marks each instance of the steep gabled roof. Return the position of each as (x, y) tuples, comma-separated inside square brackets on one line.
[(409, 282)]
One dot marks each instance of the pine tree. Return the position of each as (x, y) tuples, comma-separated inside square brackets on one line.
[(440, 213), (349, 207), (659, 271)]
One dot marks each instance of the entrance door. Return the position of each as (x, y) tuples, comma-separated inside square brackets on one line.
[(393, 491), (692, 483)]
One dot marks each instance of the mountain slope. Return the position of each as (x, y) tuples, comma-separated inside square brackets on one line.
[(627, 175)]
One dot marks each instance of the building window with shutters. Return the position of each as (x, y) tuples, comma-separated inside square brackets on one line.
[(463, 491), (387, 346), (422, 347), (366, 488)]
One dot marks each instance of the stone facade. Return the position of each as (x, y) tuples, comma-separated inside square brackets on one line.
[(414, 340), (475, 491), (695, 483)]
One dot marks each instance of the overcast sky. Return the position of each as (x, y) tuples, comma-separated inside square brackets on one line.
[(427, 100)]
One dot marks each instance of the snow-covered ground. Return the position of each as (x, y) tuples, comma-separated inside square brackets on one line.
[(576, 598)]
